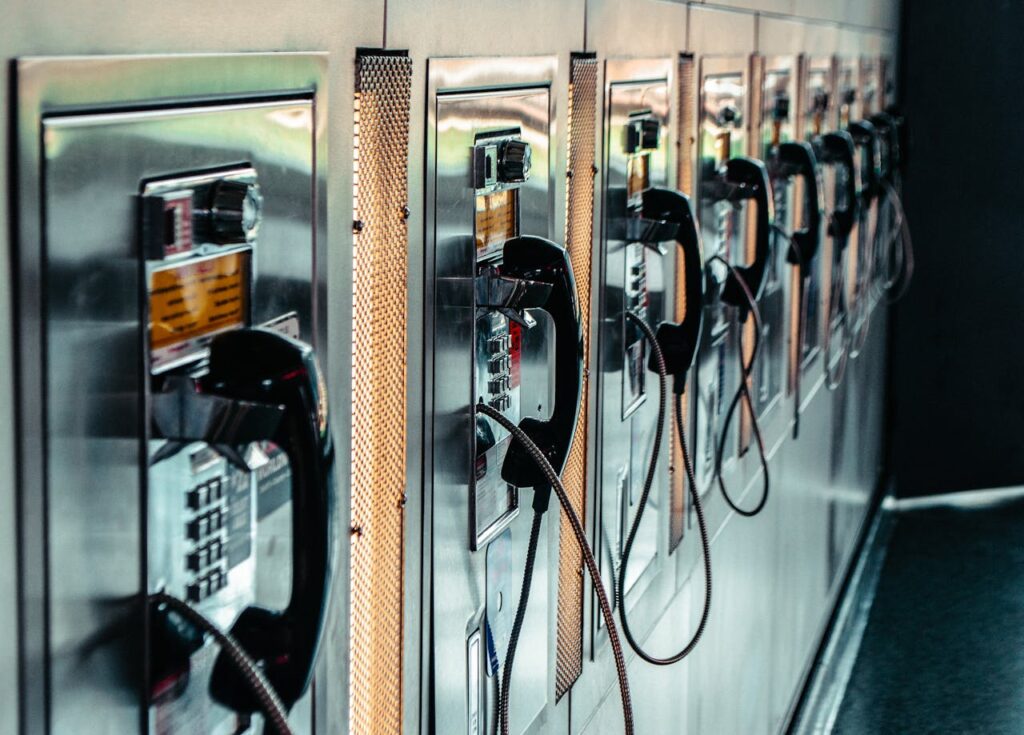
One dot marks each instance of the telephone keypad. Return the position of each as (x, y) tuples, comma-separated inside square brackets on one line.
[(634, 344)]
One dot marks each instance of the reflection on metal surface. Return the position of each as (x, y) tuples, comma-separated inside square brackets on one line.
[(635, 273), (580, 178), (383, 88), (815, 113), (776, 365), (722, 135)]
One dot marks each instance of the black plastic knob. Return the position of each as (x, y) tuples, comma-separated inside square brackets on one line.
[(514, 159), (728, 114), (234, 213)]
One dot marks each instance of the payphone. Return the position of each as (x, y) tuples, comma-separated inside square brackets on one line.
[(792, 166), (736, 258), (504, 347), (894, 252), (866, 176), (637, 272), (193, 466), (815, 119), (839, 152), (649, 240)]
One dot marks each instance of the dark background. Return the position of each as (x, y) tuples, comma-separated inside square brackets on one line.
[(956, 393)]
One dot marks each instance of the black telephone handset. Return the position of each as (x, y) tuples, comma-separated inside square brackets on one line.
[(538, 260), (798, 159), (747, 178), (679, 342), (865, 136), (264, 367), (900, 134), (837, 150)]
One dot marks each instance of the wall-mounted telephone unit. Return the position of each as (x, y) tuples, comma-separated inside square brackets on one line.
[(816, 118), (735, 266), (777, 133), (637, 264), (192, 473)]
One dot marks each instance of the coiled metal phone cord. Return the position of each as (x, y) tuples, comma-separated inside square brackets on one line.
[(517, 625), (270, 704), (901, 230), (743, 393), (588, 557), (861, 324), (898, 233), (620, 588)]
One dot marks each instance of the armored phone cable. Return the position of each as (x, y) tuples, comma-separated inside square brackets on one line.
[(901, 230), (861, 325), (620, 590), (541, 498), (272, 707), (743, 393), (588, 555)]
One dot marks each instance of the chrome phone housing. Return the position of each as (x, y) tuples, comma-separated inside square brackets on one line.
[(640, 279), (724, 126), (468, 101), (92, 133)]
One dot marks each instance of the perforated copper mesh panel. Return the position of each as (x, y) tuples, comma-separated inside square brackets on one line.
[(579, 232), (686, 135), (383, 84)]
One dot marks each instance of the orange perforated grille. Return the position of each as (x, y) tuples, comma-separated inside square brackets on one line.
[(687, 141), (383, 85), (579, 231)]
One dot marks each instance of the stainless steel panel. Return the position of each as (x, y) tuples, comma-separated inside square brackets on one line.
[(722, 134), (628, 418), (780, 314), (466, 98), (814, 113), (90, 275)]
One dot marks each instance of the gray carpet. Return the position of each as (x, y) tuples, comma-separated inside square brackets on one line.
[(943, 651)]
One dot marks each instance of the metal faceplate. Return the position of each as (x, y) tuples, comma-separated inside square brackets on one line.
[(817, 99), (469, 220), (125, 510), (778, 315), (722, 134), (863, 243), (842, 279), (635, 277)]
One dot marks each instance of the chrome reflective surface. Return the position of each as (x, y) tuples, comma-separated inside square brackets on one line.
[(642, 279), (468, 98), (779, 313), (724, 124), (93, 394)]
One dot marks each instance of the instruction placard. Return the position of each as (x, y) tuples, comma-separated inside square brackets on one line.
[(194, 300)]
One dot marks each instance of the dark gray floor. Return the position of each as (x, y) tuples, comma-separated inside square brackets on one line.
[(943, 651)]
